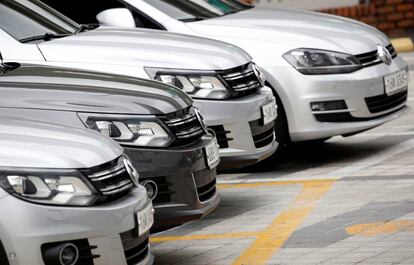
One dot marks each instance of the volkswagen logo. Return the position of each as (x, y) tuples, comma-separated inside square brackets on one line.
[(132, 172), (201, 119), (384, 55), (259, 74)]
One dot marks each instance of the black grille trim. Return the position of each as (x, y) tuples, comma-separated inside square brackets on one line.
[(3, 255), (111, 180), (221, 135), (136, 249), (85, 250), (371, 58), (206, 181), (165, 190), (185, 126), (384, 102), (242, 80), (263, 135)]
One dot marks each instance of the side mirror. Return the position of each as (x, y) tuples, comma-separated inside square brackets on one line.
[(1, 59), (117, 17)]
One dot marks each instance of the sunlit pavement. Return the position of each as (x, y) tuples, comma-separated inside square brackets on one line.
[(348, 201)]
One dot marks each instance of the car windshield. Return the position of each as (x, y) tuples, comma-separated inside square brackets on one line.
[(29, 20), (194, 10)]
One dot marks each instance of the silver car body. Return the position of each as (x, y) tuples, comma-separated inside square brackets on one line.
[(25, 226), (268, 33), (130, 51)]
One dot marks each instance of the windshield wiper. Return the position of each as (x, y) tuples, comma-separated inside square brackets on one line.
[(192, 19), (86, 27), (45, 37)]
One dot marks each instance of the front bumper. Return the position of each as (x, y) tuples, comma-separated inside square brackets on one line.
[(243, 140), (25, 227), (186, 185), (298, 91)]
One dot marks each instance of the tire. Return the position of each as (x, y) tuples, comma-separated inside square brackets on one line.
[(281, 124)]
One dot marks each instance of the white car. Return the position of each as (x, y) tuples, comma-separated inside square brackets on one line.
[(52, 209), (228, 88), (331, 75)]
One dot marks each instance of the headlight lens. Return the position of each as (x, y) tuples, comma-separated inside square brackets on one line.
[(57, 188), (317, 62), (202, 86), (129, 131)]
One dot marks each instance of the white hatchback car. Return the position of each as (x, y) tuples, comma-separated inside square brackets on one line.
[(331, 75)]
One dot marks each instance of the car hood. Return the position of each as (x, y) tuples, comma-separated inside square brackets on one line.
[(30, 144), (288, 29), (54, 88), (145, 48)]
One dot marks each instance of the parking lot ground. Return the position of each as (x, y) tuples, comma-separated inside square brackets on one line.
[(348, 201)]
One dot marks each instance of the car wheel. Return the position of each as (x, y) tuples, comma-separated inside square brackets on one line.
[(281, 124)]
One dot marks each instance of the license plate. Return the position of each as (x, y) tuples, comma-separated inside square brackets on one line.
[(212, 153), (269, 112), (145, 220), (395, 82)]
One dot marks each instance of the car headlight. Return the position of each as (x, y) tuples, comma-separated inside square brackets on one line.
[(318, 62), (129, 130), (197, 85), (63, 187)]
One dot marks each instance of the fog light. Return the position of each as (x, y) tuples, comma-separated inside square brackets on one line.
[(328, 105), (151, 187), (64, 254)]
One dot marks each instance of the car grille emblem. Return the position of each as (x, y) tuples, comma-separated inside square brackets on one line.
[(132, 172), (384, 55)]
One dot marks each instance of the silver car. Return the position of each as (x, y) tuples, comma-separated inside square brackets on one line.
[(51, 211), (331, 75), (227, 86)]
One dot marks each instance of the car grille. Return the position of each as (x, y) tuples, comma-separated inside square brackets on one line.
[(85, 250), (206, 184), (242, 80), (221, 135), (185, 126), (136, 249), (371, 58), (165, 190), (384, 102), (262, 135), (111, 180)]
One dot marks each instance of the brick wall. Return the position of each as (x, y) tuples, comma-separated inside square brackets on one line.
[(394, 17)]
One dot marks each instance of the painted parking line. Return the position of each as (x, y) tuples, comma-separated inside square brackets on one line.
[(375, 229), (270, 240)]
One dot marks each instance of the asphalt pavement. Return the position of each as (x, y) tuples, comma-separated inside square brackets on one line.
[(348, 201)]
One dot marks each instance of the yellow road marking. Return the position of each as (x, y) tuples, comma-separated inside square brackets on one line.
[(374, 229), (270, 183), (272, 238), (202, 237)]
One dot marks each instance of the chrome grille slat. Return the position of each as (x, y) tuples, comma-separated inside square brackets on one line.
[(242, 80), (107, 172), (111, 180), (185, 126)]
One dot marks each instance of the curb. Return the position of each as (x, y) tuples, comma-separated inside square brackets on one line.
[(403, 44)]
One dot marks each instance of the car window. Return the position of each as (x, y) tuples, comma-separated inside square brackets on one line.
[(24, 18), (193, 10)]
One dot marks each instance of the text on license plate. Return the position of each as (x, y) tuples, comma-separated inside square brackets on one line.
[(212, 153), (395, 82), (269, 112), (145, 219)]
